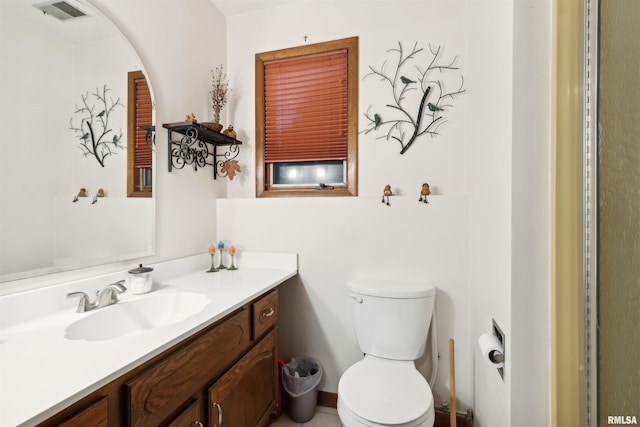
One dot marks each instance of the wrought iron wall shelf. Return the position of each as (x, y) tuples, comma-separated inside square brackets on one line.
[(198, 146)]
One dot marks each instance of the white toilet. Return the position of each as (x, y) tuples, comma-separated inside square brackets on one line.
[(391, 320)]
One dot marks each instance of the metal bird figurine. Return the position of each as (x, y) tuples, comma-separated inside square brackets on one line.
[(376, 121), (386, 193), (406, 80), (433, 108), (424, 192)]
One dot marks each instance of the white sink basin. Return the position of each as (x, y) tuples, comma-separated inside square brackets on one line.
[(130, 317)]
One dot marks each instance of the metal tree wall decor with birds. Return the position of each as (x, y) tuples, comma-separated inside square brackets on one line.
[(94, 131), (420, 92)]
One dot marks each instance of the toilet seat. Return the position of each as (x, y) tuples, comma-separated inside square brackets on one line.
[(350, 419), (381, 392)]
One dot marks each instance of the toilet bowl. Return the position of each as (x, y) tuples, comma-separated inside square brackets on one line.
[(391, 320), (379, 393)]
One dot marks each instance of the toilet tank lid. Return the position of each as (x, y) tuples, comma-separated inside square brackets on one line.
[(388, 288)]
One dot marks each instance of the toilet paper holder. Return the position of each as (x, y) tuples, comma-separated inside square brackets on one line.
[(496, 356)]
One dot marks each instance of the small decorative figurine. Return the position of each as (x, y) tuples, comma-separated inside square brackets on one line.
[(386, 193), (230, 132), (232, 252), (221, 249), (424, 192), (212, 252), (81, 193), (100, 192), (190, 118)]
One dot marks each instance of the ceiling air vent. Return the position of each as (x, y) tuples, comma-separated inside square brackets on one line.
[(60, 10)]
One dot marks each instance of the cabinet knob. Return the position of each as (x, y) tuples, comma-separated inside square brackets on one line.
[(219, 408), (269, 313)]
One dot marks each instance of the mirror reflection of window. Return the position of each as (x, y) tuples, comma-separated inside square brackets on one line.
[(139, 142)]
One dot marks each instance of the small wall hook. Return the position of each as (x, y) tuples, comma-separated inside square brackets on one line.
[(81, 193)]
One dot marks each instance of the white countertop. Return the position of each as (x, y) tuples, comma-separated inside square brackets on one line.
[(42, 372)]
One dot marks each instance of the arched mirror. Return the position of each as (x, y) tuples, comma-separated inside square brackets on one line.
[(70, 196)]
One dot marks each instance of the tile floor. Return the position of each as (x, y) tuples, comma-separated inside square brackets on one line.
[(324, 417)]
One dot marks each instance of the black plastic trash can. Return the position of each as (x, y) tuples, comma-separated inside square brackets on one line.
[(300, 379)]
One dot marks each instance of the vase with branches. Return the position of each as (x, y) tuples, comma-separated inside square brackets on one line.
[(96, 136), (420, 94), (219, 92)]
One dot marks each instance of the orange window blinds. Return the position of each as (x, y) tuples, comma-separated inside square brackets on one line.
[(143, 117), (306, 102)]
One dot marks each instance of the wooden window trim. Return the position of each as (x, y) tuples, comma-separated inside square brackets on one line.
[(262, 172), (132, 132)]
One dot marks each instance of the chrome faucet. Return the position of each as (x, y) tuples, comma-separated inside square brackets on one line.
[(104, 297)]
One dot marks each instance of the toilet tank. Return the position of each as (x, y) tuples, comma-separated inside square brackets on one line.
[(391, 318)]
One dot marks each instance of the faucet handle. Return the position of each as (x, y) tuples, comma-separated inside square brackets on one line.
[(119, 286), (85, 302), (109, 295)]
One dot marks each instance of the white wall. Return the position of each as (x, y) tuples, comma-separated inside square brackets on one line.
[(531, 215), (495, 146), (342, 238), (179, 42), (30, 51), (490, 109)]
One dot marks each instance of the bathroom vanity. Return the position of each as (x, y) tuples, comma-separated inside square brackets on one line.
[(216, 366)]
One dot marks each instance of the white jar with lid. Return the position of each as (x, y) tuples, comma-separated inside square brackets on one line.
[(140, 280)]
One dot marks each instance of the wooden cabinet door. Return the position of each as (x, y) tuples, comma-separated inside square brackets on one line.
[(246, 394), (159, 391)]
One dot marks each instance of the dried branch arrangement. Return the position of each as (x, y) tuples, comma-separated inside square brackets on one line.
[(420, 92)]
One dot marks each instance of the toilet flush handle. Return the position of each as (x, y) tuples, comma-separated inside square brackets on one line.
[(356, 298)]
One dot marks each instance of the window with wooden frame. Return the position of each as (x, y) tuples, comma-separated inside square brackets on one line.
[(139, 141), (306, 120)]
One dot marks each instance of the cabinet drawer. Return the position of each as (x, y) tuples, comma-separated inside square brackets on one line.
[(265, 313), (96, 415), (152, 396)]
